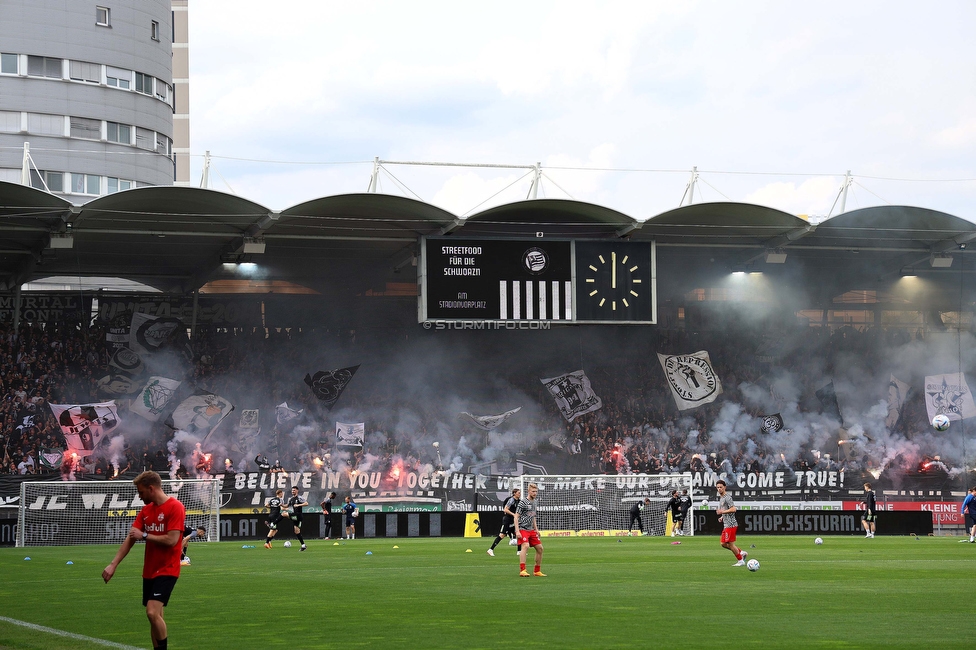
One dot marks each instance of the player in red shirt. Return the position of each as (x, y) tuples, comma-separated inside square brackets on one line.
[(160, 525)]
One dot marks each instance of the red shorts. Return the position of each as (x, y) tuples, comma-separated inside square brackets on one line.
[(728, 534), (530, 537)]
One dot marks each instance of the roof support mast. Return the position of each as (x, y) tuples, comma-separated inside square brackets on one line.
[(374, 177), (690, 188), (536, 180), (842, 195)]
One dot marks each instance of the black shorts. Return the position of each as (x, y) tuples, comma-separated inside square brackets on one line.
[(296, 521), (274, 520), (350, 521), (678, 518), (158, 588), (508, 530), (869, 516), (969, 521)]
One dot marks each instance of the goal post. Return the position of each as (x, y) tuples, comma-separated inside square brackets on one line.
[(599, 505), (64, 513)]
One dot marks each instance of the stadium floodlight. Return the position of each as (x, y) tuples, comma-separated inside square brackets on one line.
[(908, 272), (254, 245), (940, 261), (599, 505), (775, 257), (65, 513), (59, 240)]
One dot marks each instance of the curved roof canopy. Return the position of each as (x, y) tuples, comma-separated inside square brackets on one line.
[(553, 217)]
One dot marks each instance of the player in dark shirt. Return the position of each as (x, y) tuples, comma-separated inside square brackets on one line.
[(508, 520), (351, 512), (274, 504), (327, 513), (674, 505), (682, 517), (295, 505), (189, 532), (870, 512), (636, 511)]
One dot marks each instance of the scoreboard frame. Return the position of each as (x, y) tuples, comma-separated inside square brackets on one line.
[(508, 280)]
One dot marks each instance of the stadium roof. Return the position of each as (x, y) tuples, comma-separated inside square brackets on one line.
[(178, 238)]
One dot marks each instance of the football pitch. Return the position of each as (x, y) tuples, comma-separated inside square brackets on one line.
[(430, 593)]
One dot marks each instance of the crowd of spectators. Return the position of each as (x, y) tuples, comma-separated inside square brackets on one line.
[(638, 429)]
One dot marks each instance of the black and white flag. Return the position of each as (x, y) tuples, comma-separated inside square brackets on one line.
[(573, 394), (489, 422), (329, 384), (84, 425), (154, 398), (771, 423), (350, 434), (248, 430), (200, 413), (897, 394), (691, 378), (286, 416), (51, 458), (949, 395)]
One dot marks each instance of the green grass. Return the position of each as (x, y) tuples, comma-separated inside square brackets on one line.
[(892, 592)]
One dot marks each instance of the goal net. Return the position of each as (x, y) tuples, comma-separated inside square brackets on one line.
[(62, 513), (599, 505)]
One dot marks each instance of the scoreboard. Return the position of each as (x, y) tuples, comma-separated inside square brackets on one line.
[(572, 281)]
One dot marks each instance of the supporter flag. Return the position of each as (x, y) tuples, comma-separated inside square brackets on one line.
[(154, 398), (828, 402), (350, 435), (84, 425), (897, 394), (124, 366), (248, 430), (949, 395), (149, 334), (51, 458), (200, 413), (285, 415), (691, 379), (489, 422), (117, 335), (329, 384), (573, 394), (772, 423)]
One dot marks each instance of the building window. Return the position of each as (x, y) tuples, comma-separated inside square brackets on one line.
[(43, 124), (53, 180), (9, 121), (155, 30), (8, 63), (118, 185), (144, 84), (145, 139), (103, 16), (121, 133), (84, 71), (163, 145), (162, 90), (83, 127), (118, 77), (44, 66), (85, 183)]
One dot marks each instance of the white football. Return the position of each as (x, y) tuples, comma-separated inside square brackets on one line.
[(752, 565), (704, 503), (287, 544), (940, 422), (355, 513), (818, 541)]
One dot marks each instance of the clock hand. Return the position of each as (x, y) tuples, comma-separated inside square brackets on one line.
[(613, 270)]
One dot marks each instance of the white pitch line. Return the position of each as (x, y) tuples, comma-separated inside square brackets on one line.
[(70, 635)]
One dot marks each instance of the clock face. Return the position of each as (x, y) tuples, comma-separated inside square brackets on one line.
[(614, 281)]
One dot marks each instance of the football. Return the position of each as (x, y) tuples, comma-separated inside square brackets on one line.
[(818, 541), (752, 565), (940, 422), (287, 545), (355, 513)]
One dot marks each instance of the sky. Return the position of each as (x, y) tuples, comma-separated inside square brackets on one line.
[(773, 102)]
